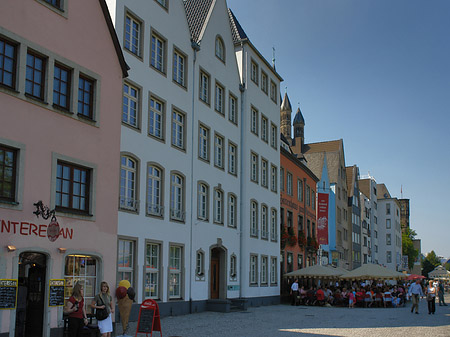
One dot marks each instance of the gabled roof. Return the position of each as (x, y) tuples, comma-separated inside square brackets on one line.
[(329, 146), (352, 174), (236, 29), (383, 192), (197, 12)]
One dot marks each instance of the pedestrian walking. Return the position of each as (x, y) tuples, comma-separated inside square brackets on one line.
[(415, 290), (294, 292), (441, 293), (431, 298), (103, 300)]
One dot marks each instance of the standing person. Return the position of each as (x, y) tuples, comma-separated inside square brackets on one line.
[(101, 301), (77, 313), (415, 290), (294, 292), (431, 298), (441, 293)]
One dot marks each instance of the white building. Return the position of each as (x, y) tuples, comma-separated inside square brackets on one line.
[(366, 229), (368, 187), (196, 199)]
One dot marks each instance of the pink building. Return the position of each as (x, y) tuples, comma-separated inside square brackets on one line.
[(61, 71)]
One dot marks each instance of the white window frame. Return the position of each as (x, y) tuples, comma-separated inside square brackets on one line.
[(175, 271), (202, 201), (158, 52), (232, 109), (254, 121), (274, 178), (219, 142), (219, 98), (264, 222), (156, 118), (129, 184), (178, 129), (300, 190), (232, 158), (200, 264), (264, 128), (289, 189), (155, 188), (130, 110), (220, 49), (176, 197), (254, 161), (273, 225), (264, 269), (232, 210), (233, 267), (129, 269), (254, 69), (152, 278), (273, 136), (264, 172), (179, 67), (133, 45), (204, 86), (203, 142), (273, 270), (218, 206), (264, 82), (253, 270), (253, 218)]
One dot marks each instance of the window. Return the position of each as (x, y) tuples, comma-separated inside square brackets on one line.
[(273, 92), (86, 97), (273, 225), (282, 179), (177, 197), (388, 256), (233, 267), (254, 72), (220, 49), (264, 129), (232, 158), (264, 82), (254, 167), (72, 187), (8, 59), (178, 125), (203, 197), (299, 261), (8, 168), (219, 99), (83, 269), (156, 119), (179, 70), (35, 76), (200, 264), (264, 222), (388, 223), (152, 270), (313, 200), (300, 190), (264, 269), (290, 262), (54, 3), (133, 35), (289, 183), (61, 87), (388, 239), (308, 196), (300, 222), (125, 261), (158, 50), (289, 219), (130, 105), (232, 109), (273, 174), (273, 270), (264, 172), (254, 121), (175, 276), (273, 136), (253, 269), (204, 87), (218, 151), (128, 184), (218, 206), (388, 209), (203, 142), (232, 210), (253, 218), (154, 191)]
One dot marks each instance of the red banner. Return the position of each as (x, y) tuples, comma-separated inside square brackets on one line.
[(322, 218)]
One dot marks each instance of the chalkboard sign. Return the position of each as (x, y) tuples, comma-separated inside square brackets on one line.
[(146, 321), (56, 293), (8, 294)]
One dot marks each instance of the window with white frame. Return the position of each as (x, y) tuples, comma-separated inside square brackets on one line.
[(218, 151), (204, 87), (82, 269), (264, 269), (125, 261), (264, 129), (175, 271), (179, 68), (253, 218), (202, 205), (253, 269), (218, 206), (388, 223), (177, 197), (220, 49), (264, 172), (254, 72), (128, 184), (264, 222), (219, 99), (233, 267), (203, 142), (130, 106), (200, 263), (289, 183), (154, 191), (254, 167), (232, 109), (232, 158), (273, 270), (273, 92), (232, 210), (300, 190), (133, 28), (273, 178), (156, 118), (152, 270), (388, 239), (273, 135), (178, 126), (264, 82), (388, 256), (254, 121), (273, 224), (158, 51)]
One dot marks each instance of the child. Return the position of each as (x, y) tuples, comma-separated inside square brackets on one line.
[(351, 298)]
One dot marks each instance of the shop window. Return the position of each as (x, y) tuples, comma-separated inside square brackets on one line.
[(83, 269), (125, 261)]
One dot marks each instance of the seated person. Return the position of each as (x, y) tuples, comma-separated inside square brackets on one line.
[(368, 299), (360, 294), (320, 296), (378, 297), (387, 297)]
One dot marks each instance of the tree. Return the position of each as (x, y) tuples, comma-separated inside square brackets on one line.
[(408, 247), (429, 263)]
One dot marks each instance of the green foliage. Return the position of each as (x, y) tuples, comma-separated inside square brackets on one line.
[(408, 246), (429, 263), (447, 266)]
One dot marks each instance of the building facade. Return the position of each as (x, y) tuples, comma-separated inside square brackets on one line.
[(366, 229), (354, 211), (60, 95)]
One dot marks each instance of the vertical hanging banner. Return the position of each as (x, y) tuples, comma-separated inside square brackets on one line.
[(322, 218)]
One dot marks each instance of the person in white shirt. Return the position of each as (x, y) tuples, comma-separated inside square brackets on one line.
[(294, 292), (415, 290)]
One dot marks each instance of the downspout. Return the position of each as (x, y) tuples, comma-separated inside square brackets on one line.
[(196, 47)]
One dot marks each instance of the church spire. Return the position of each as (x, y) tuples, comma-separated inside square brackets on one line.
[(285, 117)]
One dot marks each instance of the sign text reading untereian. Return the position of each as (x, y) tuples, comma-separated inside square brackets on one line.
[(29, 228)]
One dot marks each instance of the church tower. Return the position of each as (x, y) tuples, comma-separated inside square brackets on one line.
[(299, 132), (285, 118)]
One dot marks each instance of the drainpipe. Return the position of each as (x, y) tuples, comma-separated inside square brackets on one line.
[(195, 47)]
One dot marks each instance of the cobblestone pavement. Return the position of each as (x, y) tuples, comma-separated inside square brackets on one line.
[(302, 321)]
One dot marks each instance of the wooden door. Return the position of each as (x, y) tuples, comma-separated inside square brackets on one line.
[(215, 277)]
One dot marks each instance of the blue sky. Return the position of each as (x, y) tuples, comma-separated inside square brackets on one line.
[(376, 74)]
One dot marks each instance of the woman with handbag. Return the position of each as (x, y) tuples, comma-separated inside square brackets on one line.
[(431, 298), (75, 309), (104, 307)]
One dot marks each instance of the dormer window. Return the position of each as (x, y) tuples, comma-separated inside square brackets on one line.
[(220, 49)]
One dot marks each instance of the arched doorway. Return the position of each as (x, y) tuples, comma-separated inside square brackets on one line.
[(217, 272), (31, 294)]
